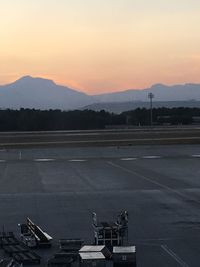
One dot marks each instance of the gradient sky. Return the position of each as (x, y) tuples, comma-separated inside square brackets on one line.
[(101, 45)]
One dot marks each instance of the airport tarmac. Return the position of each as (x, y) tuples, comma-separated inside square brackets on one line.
[(107, 137), (59, 188)]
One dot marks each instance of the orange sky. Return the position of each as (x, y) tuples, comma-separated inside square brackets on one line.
[(101, 46)]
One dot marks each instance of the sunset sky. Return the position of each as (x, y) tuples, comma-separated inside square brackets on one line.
[(101, 45)]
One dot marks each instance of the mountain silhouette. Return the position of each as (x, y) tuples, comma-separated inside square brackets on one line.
[(39, 93), (161, 92)]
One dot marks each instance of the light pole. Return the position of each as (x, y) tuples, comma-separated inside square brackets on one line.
[(151, 96)]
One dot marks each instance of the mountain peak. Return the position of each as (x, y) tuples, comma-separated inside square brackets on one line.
[(158, 85), (40, 93), (26, 77), (30, 79)]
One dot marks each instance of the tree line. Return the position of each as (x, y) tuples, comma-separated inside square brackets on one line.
[(47, 120)]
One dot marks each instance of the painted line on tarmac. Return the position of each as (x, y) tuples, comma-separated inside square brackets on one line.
[(165, 187), (43, 160), (141, 176), (196, 156), (174, 256), (151, 157), (77, 160), (2, 160), (128, 159)]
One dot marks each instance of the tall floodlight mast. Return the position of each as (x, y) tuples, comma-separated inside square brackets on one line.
[(151, 96)]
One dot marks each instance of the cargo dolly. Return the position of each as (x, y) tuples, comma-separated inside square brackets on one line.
[(17, 250), (9, 263), (28, 258), (8, 238), (111, 233)]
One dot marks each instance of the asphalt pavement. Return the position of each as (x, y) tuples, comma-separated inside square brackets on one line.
[(107, 137), (59, 188)]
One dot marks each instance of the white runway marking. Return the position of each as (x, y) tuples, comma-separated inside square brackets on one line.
[(196, 156), (151, 157), (128, 159), (165, 187), (2, 160), (174, 256), (43, 160), (77, 160)]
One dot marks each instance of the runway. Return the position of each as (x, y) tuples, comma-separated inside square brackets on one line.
[(112, 137), (59, 188)]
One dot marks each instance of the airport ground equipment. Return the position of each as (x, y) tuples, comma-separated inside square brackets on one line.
[(27, 258), (61, 260), (33, 236), (17, 250), (8, 238), (9, 263), (124, 256), (103, 249), (111, 233), (12, 249), (90, 259), (21, 254), (94, 255), (71, 245), (27, 237), (7, 234), (68, 256)]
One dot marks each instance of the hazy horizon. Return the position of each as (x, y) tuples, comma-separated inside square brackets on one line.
[(93, 94), (101, 46)]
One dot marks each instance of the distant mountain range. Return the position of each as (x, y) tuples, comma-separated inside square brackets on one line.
[(161, 92), (118, 107), (39, 93)]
